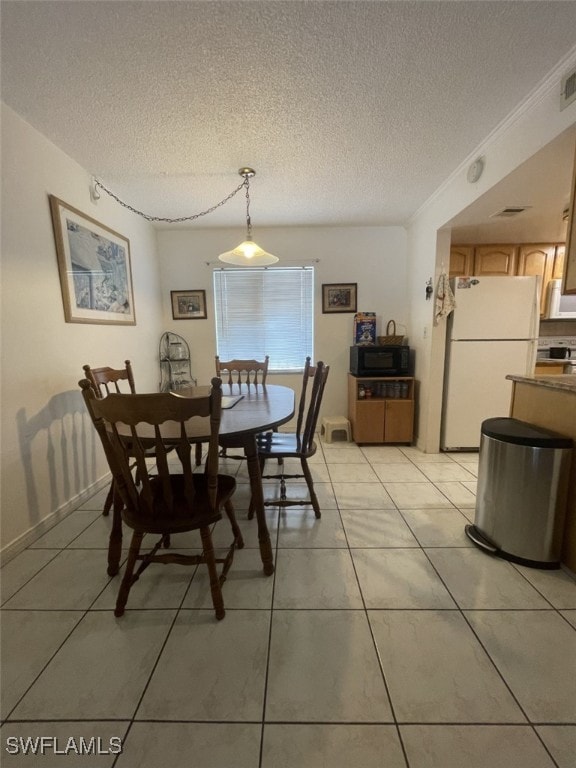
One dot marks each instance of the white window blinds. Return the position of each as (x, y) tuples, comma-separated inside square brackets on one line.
[(263, 312)]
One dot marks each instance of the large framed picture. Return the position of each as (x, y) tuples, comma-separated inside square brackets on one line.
[(188, 305), (94, 267), (339, 297)]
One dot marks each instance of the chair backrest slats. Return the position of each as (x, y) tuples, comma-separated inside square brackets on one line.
[(130, 425), (310, 402), (106, 380), (243, 371)]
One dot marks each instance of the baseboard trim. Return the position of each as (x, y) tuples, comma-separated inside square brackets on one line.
[(16, 546)]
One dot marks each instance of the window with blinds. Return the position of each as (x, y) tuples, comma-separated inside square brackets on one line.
[(263, 312)]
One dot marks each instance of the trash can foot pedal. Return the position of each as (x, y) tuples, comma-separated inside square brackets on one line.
[(483, 542), (475, 535)]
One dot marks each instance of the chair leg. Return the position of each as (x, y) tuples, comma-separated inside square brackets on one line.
[(128, 579), (109, 500), (198, 454), (234, 525), (215, 589), (115, 541), (251, 508), (310, 484)]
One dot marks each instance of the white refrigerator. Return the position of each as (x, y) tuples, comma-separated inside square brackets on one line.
[(492, 332)]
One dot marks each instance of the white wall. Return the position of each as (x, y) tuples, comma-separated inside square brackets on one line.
[(537, 122), (48, 456), (372, 257)]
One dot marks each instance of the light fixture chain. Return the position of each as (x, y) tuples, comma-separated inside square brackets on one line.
[(146, 216)]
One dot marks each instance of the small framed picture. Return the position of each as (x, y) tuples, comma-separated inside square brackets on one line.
[(188, 305), (339, 297)]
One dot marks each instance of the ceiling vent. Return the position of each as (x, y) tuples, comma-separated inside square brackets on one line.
[(512, 210), (568, 89)]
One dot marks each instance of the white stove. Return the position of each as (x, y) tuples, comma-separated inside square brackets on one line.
[(543, 353)]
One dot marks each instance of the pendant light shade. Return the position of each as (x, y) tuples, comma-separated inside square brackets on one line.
[(248, 253)]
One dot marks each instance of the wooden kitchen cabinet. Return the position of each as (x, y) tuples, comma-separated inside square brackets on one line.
[(496, 260), (558, 269), (543, 259), (549, 370), (384, 416), (461, 260), (537, 259)]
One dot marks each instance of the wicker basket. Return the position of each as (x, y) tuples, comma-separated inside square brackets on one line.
[(391, 337)]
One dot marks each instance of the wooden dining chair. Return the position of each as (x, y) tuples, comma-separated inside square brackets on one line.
[(299, 444), (242, 371), (176, 499), (104, 381), (250, 372)]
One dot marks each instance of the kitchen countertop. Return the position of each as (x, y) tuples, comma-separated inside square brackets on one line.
[(566, 382)]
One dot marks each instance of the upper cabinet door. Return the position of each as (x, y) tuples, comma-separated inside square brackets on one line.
[(496, 260), (558, 270), (461, 260), (538, 260)]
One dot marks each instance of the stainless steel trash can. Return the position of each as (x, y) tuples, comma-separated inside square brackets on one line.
[(521, 492)]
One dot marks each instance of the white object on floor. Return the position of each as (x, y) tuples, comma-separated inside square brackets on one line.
[(332, 424)]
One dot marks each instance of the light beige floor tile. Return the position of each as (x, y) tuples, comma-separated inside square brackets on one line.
[(419, 457), (98, 744), (96, 501), (470, 486), (570, 616), (382, 454), (213, 745), (299, 528), (352, 473), (442, 471), (438, 527), (342, 453), (71, 581), (469, 467), (362, 496), (334, 746), (477, 580), (437, 671), (97, 534), (210, 670), (417, 496), (323, 668), (538, 671), (466, 457), (376, 528), (246, 585), (297, 491), (556, 586), (101, 670), (222, 533), (159, 586), (474, 746), (315, 578), (457, 493), (561, 741), (29, 640), (399, 578), (399, 473), (22, 568), (66, 530)]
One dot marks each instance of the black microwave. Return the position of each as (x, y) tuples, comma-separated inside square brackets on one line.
[(390, 360)]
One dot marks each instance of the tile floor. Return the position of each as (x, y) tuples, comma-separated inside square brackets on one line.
[(383, 639)]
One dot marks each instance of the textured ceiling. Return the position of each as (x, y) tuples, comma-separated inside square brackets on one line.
[(350, 112)]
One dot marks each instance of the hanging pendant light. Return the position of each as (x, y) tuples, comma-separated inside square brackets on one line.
[(248, 253)]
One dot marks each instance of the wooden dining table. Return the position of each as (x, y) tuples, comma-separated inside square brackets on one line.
[(261, 407)]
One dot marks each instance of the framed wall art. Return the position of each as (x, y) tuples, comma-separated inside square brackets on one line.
[(94, 267), (188, 305), (339, 297)]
